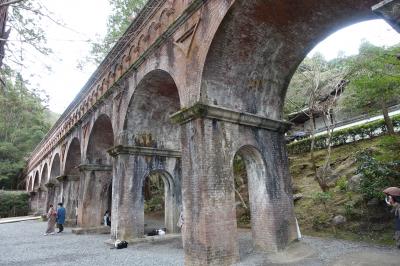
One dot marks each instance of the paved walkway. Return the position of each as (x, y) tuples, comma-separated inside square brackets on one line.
[(18, 219), (23, 243)]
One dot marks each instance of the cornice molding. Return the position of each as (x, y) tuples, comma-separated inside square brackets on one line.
[(95, 167), (201, 110), (143, 151)]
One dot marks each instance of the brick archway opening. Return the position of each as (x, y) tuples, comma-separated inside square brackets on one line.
[(96, 175), (71, 181), (158, 187)]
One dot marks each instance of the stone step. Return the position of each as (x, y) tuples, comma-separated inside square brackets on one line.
[(92, 230)]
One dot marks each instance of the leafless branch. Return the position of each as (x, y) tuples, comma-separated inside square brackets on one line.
[(11, 2)]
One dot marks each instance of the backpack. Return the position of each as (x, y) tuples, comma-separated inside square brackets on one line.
[(120, 244)]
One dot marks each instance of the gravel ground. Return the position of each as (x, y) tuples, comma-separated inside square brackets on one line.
[(23, 243)]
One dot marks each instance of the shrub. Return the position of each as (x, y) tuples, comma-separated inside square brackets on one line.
[(343, 136), (322, 197), (13, 203), (341, 183), (321, 220), (376, 175)]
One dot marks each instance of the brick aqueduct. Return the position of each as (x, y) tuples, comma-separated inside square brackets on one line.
[(190, 84)]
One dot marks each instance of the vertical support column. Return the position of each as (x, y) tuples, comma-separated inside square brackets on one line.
[(211, 135), (173, 195), (131, 165), (95, 180), (127, 220), (210, 230)]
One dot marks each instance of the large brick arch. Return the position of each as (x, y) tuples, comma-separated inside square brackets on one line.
[(35, 180), (73, 157), (147, 121), (101, 138), (55, 169), (259, 44), (44, 174)]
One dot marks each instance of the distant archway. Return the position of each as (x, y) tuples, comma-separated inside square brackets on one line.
[(96, 186), (36, 180), (45, 174), (100, 140), (53, 187), (71, 180)]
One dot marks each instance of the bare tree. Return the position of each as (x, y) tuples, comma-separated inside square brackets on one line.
[(323, 85)]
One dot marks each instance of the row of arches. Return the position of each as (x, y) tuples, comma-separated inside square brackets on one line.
[(253, 48)]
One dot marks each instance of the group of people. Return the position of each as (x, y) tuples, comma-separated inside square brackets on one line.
[(55, 217)]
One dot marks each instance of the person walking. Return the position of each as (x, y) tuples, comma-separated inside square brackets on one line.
[(51, 222), (60, 217), (393, 199)]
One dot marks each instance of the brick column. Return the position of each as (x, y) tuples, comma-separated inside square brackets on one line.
[(211, 136), (94, 182), (131, 165), (70, 196)]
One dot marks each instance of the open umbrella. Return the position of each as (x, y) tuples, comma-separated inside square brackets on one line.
[(392, 191)]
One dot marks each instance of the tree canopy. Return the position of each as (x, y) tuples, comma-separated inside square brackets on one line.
[(123, 12), (23, 123), (375, 82)]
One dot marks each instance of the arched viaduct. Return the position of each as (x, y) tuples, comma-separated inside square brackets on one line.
[(190, 84)]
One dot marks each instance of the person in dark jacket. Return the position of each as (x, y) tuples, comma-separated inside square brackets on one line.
[(60, 217), (393, 199)]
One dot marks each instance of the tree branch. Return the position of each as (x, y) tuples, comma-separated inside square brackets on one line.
[(11, 2)]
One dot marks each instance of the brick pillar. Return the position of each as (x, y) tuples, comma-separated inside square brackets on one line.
[(131, 165), (93, 196), (127, 220), (211, 136)]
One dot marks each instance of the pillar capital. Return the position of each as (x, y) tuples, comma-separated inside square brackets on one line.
[(61, 178), (143, 151), (94, 167), (201, 110)]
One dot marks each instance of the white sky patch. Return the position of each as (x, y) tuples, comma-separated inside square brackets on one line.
[(88, 18), (348, 39)]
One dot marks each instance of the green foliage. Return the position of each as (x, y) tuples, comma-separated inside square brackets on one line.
[(22, 125), (321, 220), (322, 197), (341, 183), (119, 20), (344, 136), (153, 190), (313, 79), (375, 76), (13, 204), (376, 175)]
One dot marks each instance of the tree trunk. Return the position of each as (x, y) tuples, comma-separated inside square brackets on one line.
[(312, 147), (386, 117), (3, 33)]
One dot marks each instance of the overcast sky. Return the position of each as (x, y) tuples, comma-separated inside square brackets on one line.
[(89, 17)]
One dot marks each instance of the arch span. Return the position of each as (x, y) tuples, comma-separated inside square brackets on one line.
[(71, 178), (96, 174), (101, 138), (147, 121), (259, 45)]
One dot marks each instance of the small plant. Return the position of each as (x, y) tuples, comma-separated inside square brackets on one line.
[(349, 209), (376, 175), (322, 197), (342, 183), (321, 220)]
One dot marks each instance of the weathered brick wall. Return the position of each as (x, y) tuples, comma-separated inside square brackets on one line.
[(238, 55)]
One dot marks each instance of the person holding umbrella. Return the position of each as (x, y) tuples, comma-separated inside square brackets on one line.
[(393, 199)]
